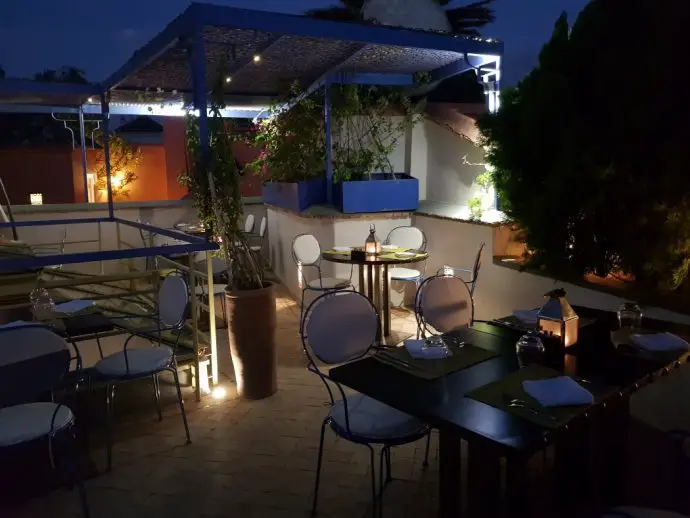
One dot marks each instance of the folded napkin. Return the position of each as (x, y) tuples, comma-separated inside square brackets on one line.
[(560, 391), (417, 351), (73, 306), (526, 316), (659, 342)]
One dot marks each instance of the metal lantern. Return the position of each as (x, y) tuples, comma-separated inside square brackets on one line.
[(372, 245), (557, 319)]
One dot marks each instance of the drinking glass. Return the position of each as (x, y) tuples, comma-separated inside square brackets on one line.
[(630, 316), (436, 342), (529, 349)]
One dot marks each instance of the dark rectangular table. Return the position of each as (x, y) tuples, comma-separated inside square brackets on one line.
[(493, 434)]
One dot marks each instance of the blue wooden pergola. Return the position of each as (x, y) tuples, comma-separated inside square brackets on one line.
[(262, 51)]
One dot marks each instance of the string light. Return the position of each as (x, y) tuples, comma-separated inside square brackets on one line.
[(228, 79), (257, 58)]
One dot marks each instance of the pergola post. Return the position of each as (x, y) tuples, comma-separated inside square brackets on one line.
[(105, 111), (329, 150), (82, 139)]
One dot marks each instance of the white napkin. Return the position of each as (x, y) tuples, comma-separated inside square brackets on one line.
[(73, 306), (417, 351), (560, 391), (659, 342), (526, 316)]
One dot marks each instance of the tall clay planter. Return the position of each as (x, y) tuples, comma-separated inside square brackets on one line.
[(251, 316)]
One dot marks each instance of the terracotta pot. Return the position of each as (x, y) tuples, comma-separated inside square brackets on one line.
[(251, 316)]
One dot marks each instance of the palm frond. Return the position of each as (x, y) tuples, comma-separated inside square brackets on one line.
[(467, 19)]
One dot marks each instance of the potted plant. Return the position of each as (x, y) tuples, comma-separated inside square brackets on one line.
[(369, 123), (214, 182), (293, 152)]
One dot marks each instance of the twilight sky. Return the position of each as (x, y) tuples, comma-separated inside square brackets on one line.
[(99, 37)]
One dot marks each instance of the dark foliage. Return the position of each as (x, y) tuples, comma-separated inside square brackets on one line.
[(590, 149)]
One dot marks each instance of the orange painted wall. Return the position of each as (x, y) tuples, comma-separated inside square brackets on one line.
[(57, 172), (173, 141), (45, 170)]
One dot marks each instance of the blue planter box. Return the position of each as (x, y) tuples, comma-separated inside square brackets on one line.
[(383, 193), (296, 196)]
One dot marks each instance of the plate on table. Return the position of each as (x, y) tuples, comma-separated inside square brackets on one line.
[(389, 247), (405, 255), (342, 248)]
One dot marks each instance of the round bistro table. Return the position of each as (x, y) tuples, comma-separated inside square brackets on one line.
[(377, 288)]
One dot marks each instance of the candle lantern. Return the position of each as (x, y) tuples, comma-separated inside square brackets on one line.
[(372, 246), (557, 318)]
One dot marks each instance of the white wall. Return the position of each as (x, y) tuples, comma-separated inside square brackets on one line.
[(501, 290)]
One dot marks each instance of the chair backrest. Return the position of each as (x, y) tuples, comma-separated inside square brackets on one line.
[(444, 303), (173, 297), (249, 223), (262, 226), (339, 327), (407, 237), (33, 360), (476, 267), (306, 250)]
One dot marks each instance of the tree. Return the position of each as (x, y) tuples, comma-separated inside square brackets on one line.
[(124, 161), (63, 75), (465, 20), (589, 155)]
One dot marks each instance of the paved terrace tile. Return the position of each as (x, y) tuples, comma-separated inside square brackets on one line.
[(247, 459)]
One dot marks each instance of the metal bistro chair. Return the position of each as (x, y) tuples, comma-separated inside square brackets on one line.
[(442, 304), (410, 238), (341, 327), (249, 224), (306, 252), (33, 361), (474, 272), (258, 245), (143, 362)]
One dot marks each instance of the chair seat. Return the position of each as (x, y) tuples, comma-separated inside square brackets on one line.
[(218, 289), (329, 283), (142, 361), (23, 423), (404, 274), (374, 421), (640, 512)]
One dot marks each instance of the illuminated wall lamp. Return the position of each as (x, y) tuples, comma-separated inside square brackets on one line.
[(36, 198)]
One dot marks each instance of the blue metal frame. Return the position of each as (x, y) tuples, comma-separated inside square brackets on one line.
[(192, 244)]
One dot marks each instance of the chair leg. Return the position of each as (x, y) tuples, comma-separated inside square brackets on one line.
[(372, 468), (382, 483), (425, 464), (301, 310), (318, 469), (157, 396), (73, 465), (109, 416), (389, 472), (179, 398)]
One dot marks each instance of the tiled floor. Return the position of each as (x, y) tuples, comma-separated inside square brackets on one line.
[(247, 459)]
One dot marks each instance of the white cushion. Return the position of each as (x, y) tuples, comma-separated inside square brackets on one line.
[(218, 289), (329, 283), (23, 423), (141, 361), (639, 512), (404, 273), (372, 419)]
